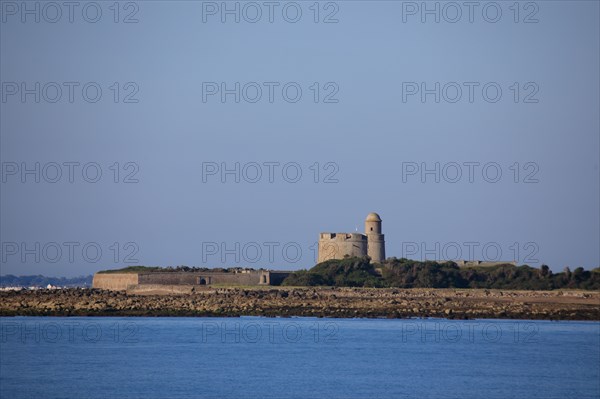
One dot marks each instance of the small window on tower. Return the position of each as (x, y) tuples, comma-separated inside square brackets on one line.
[(371, 229)]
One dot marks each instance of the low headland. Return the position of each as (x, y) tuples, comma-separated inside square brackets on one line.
[(347, 288)]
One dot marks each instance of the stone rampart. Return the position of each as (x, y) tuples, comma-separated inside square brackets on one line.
[(201, 278), (114, 281)]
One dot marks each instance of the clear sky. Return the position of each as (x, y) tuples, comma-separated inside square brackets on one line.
[(367, 120)]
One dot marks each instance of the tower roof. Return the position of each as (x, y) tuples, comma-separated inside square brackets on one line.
[(373, 217)]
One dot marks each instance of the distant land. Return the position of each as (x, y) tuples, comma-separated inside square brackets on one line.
[(406, 273), (40, 281), (361, 272), (351, 287)]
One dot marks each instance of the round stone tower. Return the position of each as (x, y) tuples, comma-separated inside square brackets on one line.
[(375, 240)]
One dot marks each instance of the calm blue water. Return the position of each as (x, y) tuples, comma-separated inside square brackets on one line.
[(297, 358)]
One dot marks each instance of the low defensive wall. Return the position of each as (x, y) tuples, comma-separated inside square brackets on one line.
[(115, 281), (127, 281)]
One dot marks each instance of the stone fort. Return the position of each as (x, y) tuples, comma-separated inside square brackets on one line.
[(340, 245), (183, 282), (331, 246)]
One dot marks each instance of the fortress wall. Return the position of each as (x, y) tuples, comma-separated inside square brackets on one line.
[(193, 278), (123, 281), (236, 279), (114, 281), (172, 278)]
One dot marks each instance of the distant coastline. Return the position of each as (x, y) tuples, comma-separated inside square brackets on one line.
[(39, 281), (360, 272), (339, 288)]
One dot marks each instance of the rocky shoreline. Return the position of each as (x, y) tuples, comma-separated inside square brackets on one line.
[(312, 302)]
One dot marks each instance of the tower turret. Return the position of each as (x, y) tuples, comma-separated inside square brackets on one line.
[(375, 240)]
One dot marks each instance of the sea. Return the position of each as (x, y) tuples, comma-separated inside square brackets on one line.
[(255, 357)]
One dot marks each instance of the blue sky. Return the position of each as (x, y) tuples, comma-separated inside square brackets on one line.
[(356, 122)]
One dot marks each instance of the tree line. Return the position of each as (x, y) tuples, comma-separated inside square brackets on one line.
[(406, 273)]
